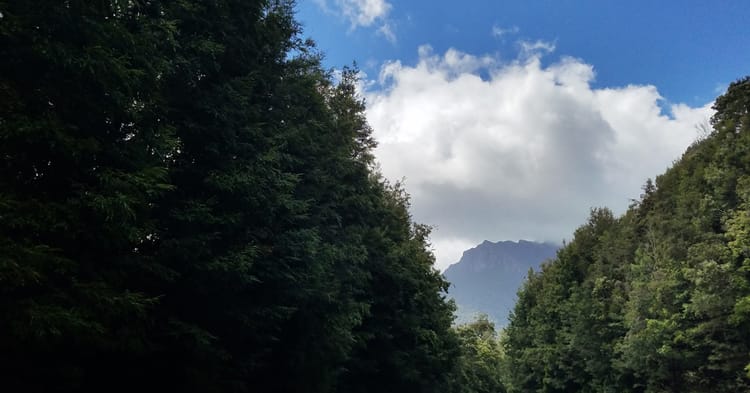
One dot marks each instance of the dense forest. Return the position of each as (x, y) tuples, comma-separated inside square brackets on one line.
[(189, 202), (657, 300)]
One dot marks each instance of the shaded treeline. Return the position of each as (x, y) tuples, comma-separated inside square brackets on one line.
[(188, 202)]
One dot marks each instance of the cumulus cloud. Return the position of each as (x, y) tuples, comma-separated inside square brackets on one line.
[(518, 150), (363, 13)]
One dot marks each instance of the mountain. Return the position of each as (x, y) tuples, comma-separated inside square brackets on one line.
[(487, 277)]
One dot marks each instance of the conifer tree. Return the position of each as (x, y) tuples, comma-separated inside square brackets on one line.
[(655, 301), (84, 146)]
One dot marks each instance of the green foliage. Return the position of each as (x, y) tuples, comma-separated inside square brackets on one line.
[(188, 202), (481, 364), (82, 146), (656, 300)]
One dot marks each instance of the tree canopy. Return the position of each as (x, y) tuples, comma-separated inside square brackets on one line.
[(188, 202), (656, 300)]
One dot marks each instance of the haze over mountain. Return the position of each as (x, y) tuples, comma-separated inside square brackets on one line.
[(487, 277)]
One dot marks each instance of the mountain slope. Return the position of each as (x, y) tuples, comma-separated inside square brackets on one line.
[(488, 276)]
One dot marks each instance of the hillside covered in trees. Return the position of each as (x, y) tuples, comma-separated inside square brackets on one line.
[(188, 202), (657, 300)]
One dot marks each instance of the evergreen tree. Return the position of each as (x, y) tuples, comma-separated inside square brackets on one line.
[(189, 202), (84, 146), (656, 300)]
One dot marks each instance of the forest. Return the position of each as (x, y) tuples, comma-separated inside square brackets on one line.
[(189, 201), (657, 300)]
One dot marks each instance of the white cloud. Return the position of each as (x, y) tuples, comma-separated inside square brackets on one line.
[(537, 47), (499, 32), (363, 13), (386, 30), (523, 153)]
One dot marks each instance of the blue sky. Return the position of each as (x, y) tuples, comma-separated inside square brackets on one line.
[(688, 49), (510, 120)]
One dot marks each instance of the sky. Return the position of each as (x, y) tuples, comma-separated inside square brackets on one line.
[(510, 120)]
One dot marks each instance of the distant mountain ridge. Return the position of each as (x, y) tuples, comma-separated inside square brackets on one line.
[(487, 277)]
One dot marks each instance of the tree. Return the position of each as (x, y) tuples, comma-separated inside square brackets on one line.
[(481, 365), (189, 202), (656, 300), (83, 143)]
